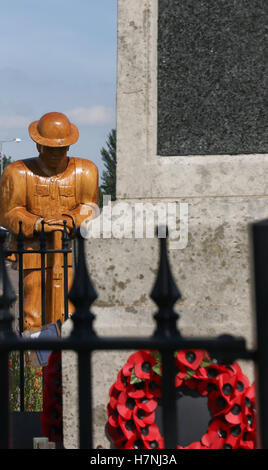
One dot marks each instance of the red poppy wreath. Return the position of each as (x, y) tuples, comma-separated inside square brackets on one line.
[(135, 397)]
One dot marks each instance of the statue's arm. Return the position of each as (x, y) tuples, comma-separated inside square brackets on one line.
[(13, 201), (88, 191)]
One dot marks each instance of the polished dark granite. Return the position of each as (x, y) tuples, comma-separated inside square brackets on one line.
[(212, 77)]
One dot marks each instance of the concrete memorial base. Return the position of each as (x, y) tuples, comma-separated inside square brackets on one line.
[(213, 275)]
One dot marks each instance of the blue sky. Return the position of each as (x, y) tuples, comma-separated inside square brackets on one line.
[(58, 55)]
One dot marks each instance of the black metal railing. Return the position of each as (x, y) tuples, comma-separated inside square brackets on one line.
[(43, 251), (166, 338)]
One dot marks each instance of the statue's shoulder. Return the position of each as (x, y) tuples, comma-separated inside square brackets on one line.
[(15, 167), (21, 164), (85, 166)]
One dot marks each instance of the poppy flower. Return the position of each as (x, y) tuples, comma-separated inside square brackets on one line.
[(112, 416), (213, 371), (112, 403), (112, 412), (190, 358), (207, 386), (136, 358), (51, 416), (54, 433), (143, 365), (247, 440), (121, 382), (216, 434), (51, 421), (191, 383), (128, 427), (117, 435), (249, 420), (113, 392), (150, 433), (242, 383), (181, 374), (153, 388), (137, 390), (125, 405), (217, 403), (148, 405), (250, 396), (234, 436), (135, 442), (155, 444), (235, 414), (120, 444), (178, 381), (200, 373), (227, 386), (127, 368), (141, 418)]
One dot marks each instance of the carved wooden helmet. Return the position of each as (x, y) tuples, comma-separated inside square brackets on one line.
[(54, 130)]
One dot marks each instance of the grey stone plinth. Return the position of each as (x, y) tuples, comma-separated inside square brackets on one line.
[(224, 194), (212, 272)]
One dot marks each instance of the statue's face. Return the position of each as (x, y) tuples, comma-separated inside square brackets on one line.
[(53, 155)]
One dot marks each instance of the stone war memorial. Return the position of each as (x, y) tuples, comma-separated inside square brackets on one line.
[(192, 154), (191, 131)]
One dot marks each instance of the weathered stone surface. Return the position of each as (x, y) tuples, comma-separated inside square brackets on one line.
[(224, 194), (212, 272), (142, 173)]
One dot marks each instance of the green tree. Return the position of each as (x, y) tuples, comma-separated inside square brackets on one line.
[(108, 155), (6, 161)]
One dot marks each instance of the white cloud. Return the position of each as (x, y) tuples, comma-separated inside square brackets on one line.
[(14, 122), (91, 116), (96, 115)]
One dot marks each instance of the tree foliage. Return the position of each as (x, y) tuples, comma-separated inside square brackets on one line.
[(6, 161), (108, 155)]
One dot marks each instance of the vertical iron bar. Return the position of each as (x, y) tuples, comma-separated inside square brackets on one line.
[(85, 400), (43, 284), (82, 295), (169, 400), (165, 293), (7, 298), (4, 402), (65, 239), (20, 246), (259, 240), (43, 273)]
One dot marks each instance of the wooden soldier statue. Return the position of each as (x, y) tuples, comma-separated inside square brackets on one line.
[(52, 187)]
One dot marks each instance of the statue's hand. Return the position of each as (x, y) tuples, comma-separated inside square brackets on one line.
[(53, 227), (48, 227), (59, 222), (52, 224)]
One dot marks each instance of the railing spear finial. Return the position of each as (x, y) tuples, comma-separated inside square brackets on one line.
[(82, 294), (165, 293)]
